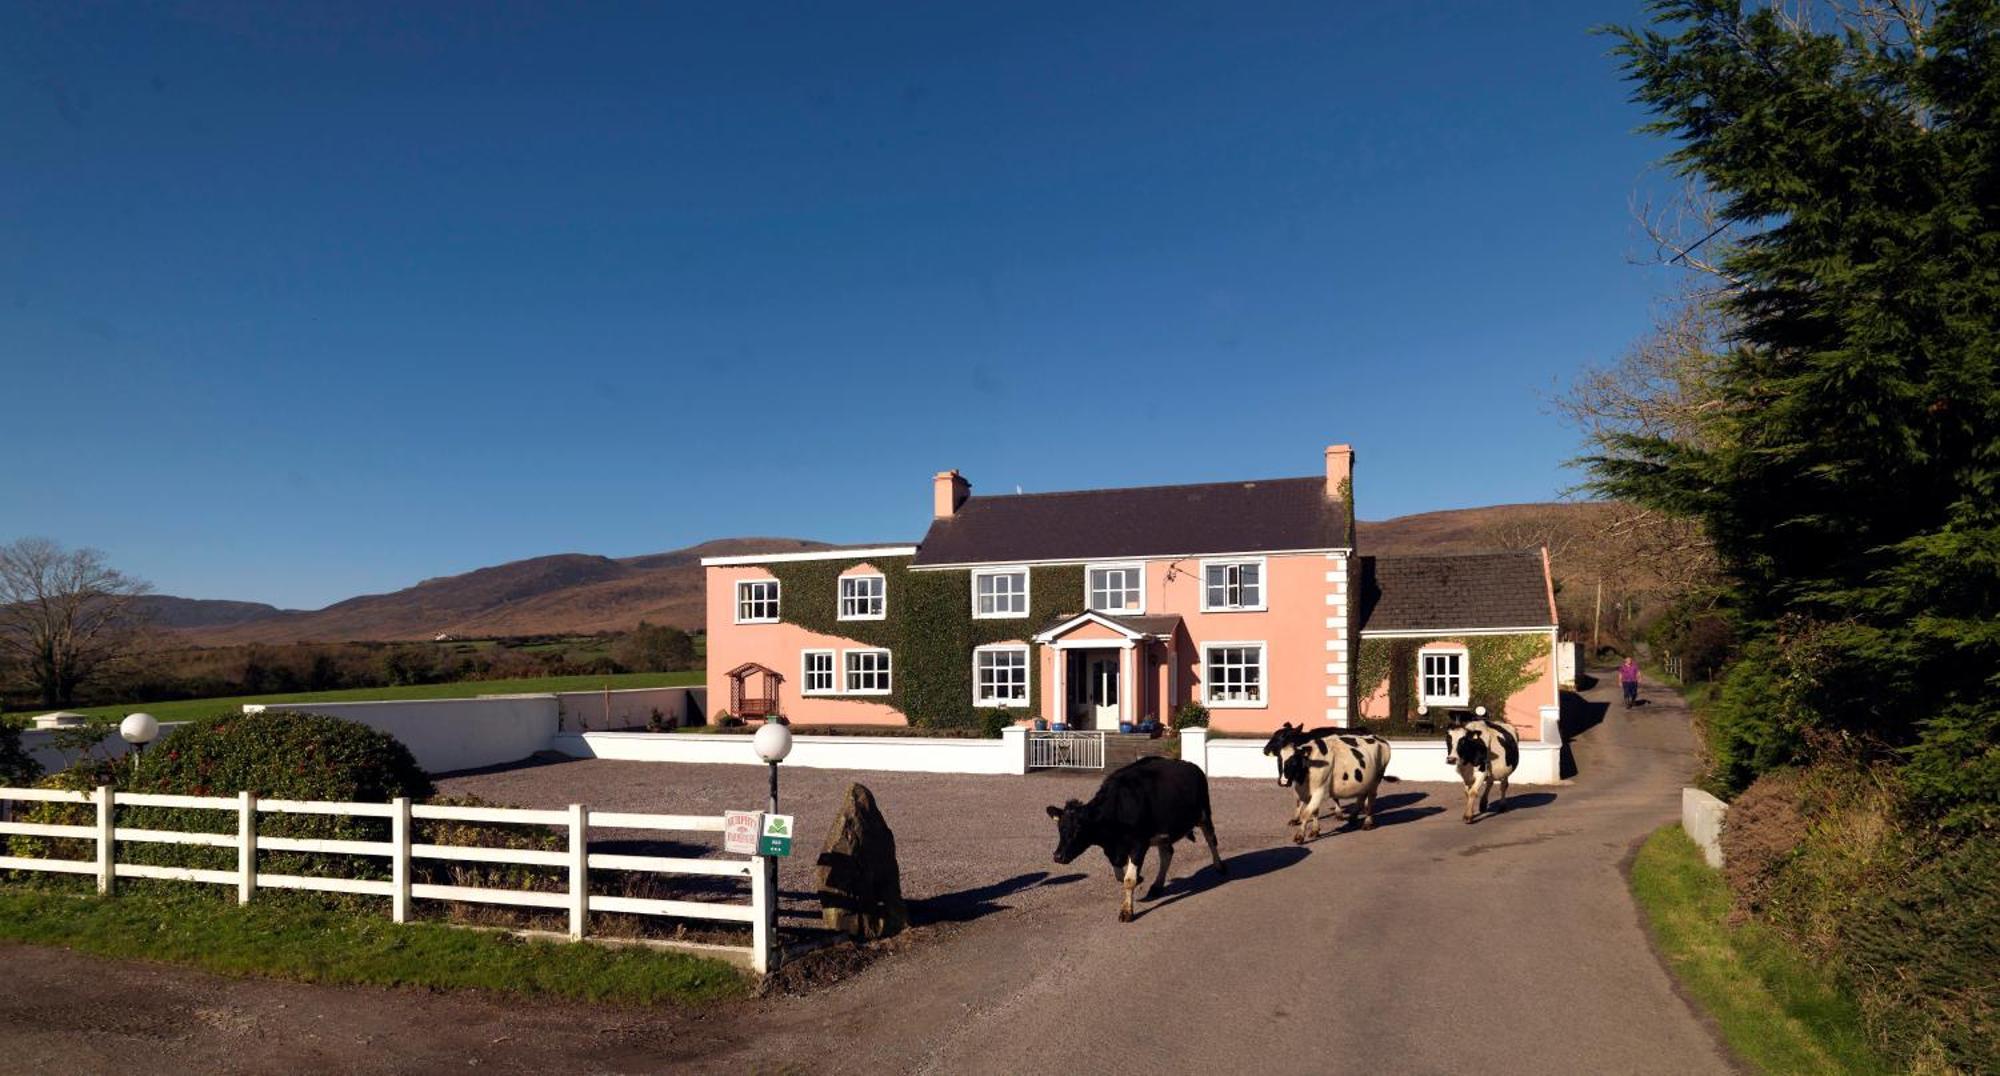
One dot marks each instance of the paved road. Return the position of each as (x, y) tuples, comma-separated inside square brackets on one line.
[(1424, 946), (1427, 946)]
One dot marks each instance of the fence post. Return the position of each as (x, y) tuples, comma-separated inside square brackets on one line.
[(399, 860), (579, 872), (105, 872), (246, 846), (760, 924)]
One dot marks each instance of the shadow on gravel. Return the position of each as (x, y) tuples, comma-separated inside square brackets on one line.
[(966, 905), (1246, 865), (1526, 801), (533, 762), (1577, 716)]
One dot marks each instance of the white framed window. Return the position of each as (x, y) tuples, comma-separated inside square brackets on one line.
[(999, 593), (757, 601), (1000, 676), (816, 672), (1441, 679), (863, 597), (1232, 585), (867, 672), (1115, 588), (1233, 675)]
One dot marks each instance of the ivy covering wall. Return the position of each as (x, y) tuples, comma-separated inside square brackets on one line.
[(1497, 667), (928, 628)]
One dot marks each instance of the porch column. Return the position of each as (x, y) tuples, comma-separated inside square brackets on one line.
[(1128, 680), (1059, 659), (1162, 692)]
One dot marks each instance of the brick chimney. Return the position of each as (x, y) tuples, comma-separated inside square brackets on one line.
[(949, 489), (1339, 470)]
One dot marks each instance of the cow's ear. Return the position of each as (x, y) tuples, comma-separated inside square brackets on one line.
[(1055, 812)]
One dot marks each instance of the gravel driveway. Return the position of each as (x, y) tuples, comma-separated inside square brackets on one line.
[(966, 845)]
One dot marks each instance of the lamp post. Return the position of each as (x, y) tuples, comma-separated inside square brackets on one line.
[(138, 730), (772, 743)]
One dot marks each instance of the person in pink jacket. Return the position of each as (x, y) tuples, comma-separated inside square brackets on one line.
[(1628, 679)]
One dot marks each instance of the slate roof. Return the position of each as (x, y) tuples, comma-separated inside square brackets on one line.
[(1147, 521), (1450, 591)]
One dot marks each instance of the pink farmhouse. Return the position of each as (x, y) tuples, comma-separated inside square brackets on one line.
[(1106, 608)]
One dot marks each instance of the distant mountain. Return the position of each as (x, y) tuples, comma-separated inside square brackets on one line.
[(566, 592), (580, 592), (166, 611)]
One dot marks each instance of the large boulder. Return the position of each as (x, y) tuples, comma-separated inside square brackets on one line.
[(860, 887)]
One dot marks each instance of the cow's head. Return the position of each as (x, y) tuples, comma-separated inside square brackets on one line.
[(1465, 746), (1072, 830), (1282, 740)]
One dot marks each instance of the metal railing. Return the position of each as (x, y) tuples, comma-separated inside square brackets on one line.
[(1065, 750), (401, 849)]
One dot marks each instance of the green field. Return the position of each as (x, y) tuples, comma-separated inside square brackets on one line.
[(185, 709)]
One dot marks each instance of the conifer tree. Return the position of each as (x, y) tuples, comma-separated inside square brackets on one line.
[(1850, 488)]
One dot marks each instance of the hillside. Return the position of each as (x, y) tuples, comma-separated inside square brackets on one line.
[(578, 592), (563, 593)]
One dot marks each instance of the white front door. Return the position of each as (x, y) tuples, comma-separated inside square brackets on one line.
[(1101, 672)]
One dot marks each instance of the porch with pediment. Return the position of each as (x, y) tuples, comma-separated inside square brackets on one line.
[(1101, 670)]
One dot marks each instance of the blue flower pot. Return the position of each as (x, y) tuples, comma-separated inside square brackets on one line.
[(1060, 726), (1124, 726)]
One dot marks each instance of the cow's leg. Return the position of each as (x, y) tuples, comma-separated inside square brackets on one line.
[(1367, 808), (1502, 805), (1485, 792), (1208, 833), (1310, 831), (1166, 847), (1475, 794), (1131, 882)]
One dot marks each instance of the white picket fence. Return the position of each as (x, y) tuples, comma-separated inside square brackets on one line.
[(401, 850)]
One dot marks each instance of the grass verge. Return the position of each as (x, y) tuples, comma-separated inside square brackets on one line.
[(1778, 1011), (282, 941), (188, 709)]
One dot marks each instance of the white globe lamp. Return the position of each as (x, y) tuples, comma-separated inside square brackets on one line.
[(139, 729), (772, 742)]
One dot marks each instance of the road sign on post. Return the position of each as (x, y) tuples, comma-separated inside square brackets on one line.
[(740, 830), (775, 838)]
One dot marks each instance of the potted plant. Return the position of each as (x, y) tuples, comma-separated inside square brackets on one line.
[(1125, 727), (1041, 724)]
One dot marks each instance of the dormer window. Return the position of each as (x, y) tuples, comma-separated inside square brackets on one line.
[(863, 597)]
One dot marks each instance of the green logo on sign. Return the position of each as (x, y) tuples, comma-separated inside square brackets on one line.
[(776, 840)]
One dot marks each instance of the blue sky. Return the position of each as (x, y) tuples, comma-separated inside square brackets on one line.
[(308, 302)]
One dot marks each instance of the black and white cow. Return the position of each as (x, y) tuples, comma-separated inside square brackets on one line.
[(1485, 752), (1328, 764), (1150, 803)]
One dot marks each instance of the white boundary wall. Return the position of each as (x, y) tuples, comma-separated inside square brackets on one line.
[(624, 708), (448, 734), (1703, 816), (905, 754), (1409, 760)]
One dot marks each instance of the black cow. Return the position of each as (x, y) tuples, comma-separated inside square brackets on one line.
[(1151, 803)]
